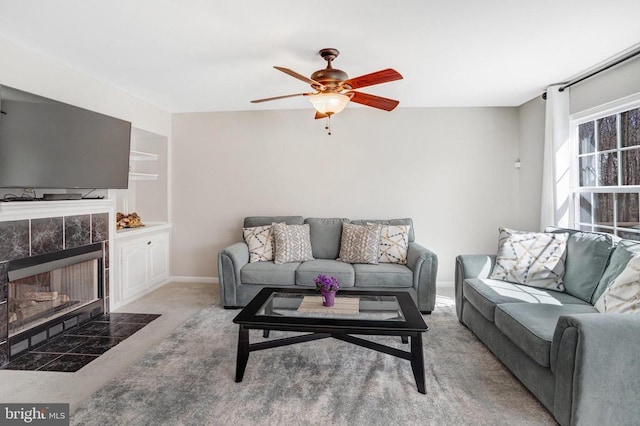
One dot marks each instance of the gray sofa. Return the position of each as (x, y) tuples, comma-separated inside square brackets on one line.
[(583, 365), (240, 280)]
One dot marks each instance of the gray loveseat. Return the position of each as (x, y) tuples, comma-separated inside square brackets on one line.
[(240, 280), (583, 365)]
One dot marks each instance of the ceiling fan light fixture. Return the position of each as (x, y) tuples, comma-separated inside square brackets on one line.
[(329, 103)]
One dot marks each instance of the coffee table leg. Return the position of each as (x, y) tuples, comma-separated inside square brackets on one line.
[(417, 361), (243, 353), (268, 311)]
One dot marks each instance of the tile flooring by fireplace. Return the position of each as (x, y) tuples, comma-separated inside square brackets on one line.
[(78, 346)]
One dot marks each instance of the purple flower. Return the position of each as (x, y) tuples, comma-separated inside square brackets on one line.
[(324, 283)]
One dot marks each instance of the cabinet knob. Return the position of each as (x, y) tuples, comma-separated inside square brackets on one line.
[(148, 243)]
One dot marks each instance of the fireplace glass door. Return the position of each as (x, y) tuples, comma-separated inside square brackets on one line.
[(44, 291)]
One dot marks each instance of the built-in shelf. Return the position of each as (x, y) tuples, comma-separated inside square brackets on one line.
[(143, 176), (142, 156)]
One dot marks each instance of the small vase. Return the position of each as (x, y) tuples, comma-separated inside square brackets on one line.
[(328, 298)]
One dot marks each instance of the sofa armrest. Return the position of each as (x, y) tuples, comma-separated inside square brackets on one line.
[(230, 260), (471, 266), (595, 360), (424, 264)]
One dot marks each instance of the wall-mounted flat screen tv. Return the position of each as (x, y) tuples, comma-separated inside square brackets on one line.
[(50, 144)]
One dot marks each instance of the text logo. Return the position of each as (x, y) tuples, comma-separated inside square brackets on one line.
[(34, 414)]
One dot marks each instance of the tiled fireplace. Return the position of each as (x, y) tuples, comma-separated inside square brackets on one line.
[(54, 269)]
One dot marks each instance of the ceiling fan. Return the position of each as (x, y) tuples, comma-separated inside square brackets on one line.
[(334, 89)]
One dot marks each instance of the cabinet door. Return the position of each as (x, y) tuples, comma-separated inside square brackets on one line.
[(135, 278), (159, 259)]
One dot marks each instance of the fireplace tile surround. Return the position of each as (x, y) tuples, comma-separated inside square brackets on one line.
[(79, 346), (36, 228)]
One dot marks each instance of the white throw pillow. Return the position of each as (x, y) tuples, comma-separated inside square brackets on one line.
[(531, 258), (394, 244), (292, 243), (260, 242), (623, 294), (360, 243)]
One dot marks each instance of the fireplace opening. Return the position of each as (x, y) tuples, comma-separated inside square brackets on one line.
[(46, 291)]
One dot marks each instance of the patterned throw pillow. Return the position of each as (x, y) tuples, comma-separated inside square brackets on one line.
[(293, 243), (260, 242), (531, 258), (623, 294), (394, 243), (360, 243)]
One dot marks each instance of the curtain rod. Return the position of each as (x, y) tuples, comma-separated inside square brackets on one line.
[(612, 64)]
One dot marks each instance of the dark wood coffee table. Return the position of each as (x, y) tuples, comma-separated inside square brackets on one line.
[(388, 313)]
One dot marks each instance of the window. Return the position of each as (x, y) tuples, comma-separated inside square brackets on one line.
[(606, 190)]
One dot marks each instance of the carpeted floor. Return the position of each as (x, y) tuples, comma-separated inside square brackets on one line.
[(189, 380)]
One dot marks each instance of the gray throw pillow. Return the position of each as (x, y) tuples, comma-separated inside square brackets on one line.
[(293, 243), (360, 243)]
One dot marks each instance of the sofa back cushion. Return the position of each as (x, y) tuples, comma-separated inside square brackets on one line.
[(587, 257), (325, 236), (405, 221), (252, 221), (624, 251)]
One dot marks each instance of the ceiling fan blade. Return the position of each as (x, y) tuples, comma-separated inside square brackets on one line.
[(257, 101), (373, 101), (320, 115), (301, 77), (377, 77)]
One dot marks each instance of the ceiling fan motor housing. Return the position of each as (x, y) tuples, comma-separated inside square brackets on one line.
[(330, 77)]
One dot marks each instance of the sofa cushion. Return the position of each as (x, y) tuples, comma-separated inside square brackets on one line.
[(485, 294), (292, 243), (623, 295), (269, 273), (531, 326), (620, 257), (532, 258), (405, 221), (252, 221), (260, 242), (383, 275), (325, 236), (308, 271), (587, 257), (360, 243)]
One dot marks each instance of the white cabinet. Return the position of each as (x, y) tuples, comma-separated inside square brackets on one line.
[(158, 250), (134, 266), (143, 257)]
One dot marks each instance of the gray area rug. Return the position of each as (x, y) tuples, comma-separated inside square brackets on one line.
[(189, 380)]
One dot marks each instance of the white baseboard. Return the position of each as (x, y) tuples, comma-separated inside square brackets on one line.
[(190, 279)]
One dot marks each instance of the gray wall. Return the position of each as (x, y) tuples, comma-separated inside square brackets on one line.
[(531, 119), (616, 83), (450, 169)]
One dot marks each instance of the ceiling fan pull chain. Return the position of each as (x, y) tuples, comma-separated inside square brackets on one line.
[(327, 127)]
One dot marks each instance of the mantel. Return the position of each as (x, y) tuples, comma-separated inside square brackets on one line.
[(16, 210)]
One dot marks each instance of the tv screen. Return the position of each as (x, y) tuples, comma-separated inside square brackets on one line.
[(50, 144)]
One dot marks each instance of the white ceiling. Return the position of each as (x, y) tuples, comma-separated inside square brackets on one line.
[(209, 55)]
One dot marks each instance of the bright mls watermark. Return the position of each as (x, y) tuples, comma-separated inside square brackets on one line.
[(34, 414)]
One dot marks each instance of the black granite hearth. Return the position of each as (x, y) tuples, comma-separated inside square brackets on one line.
[(79, 346)]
